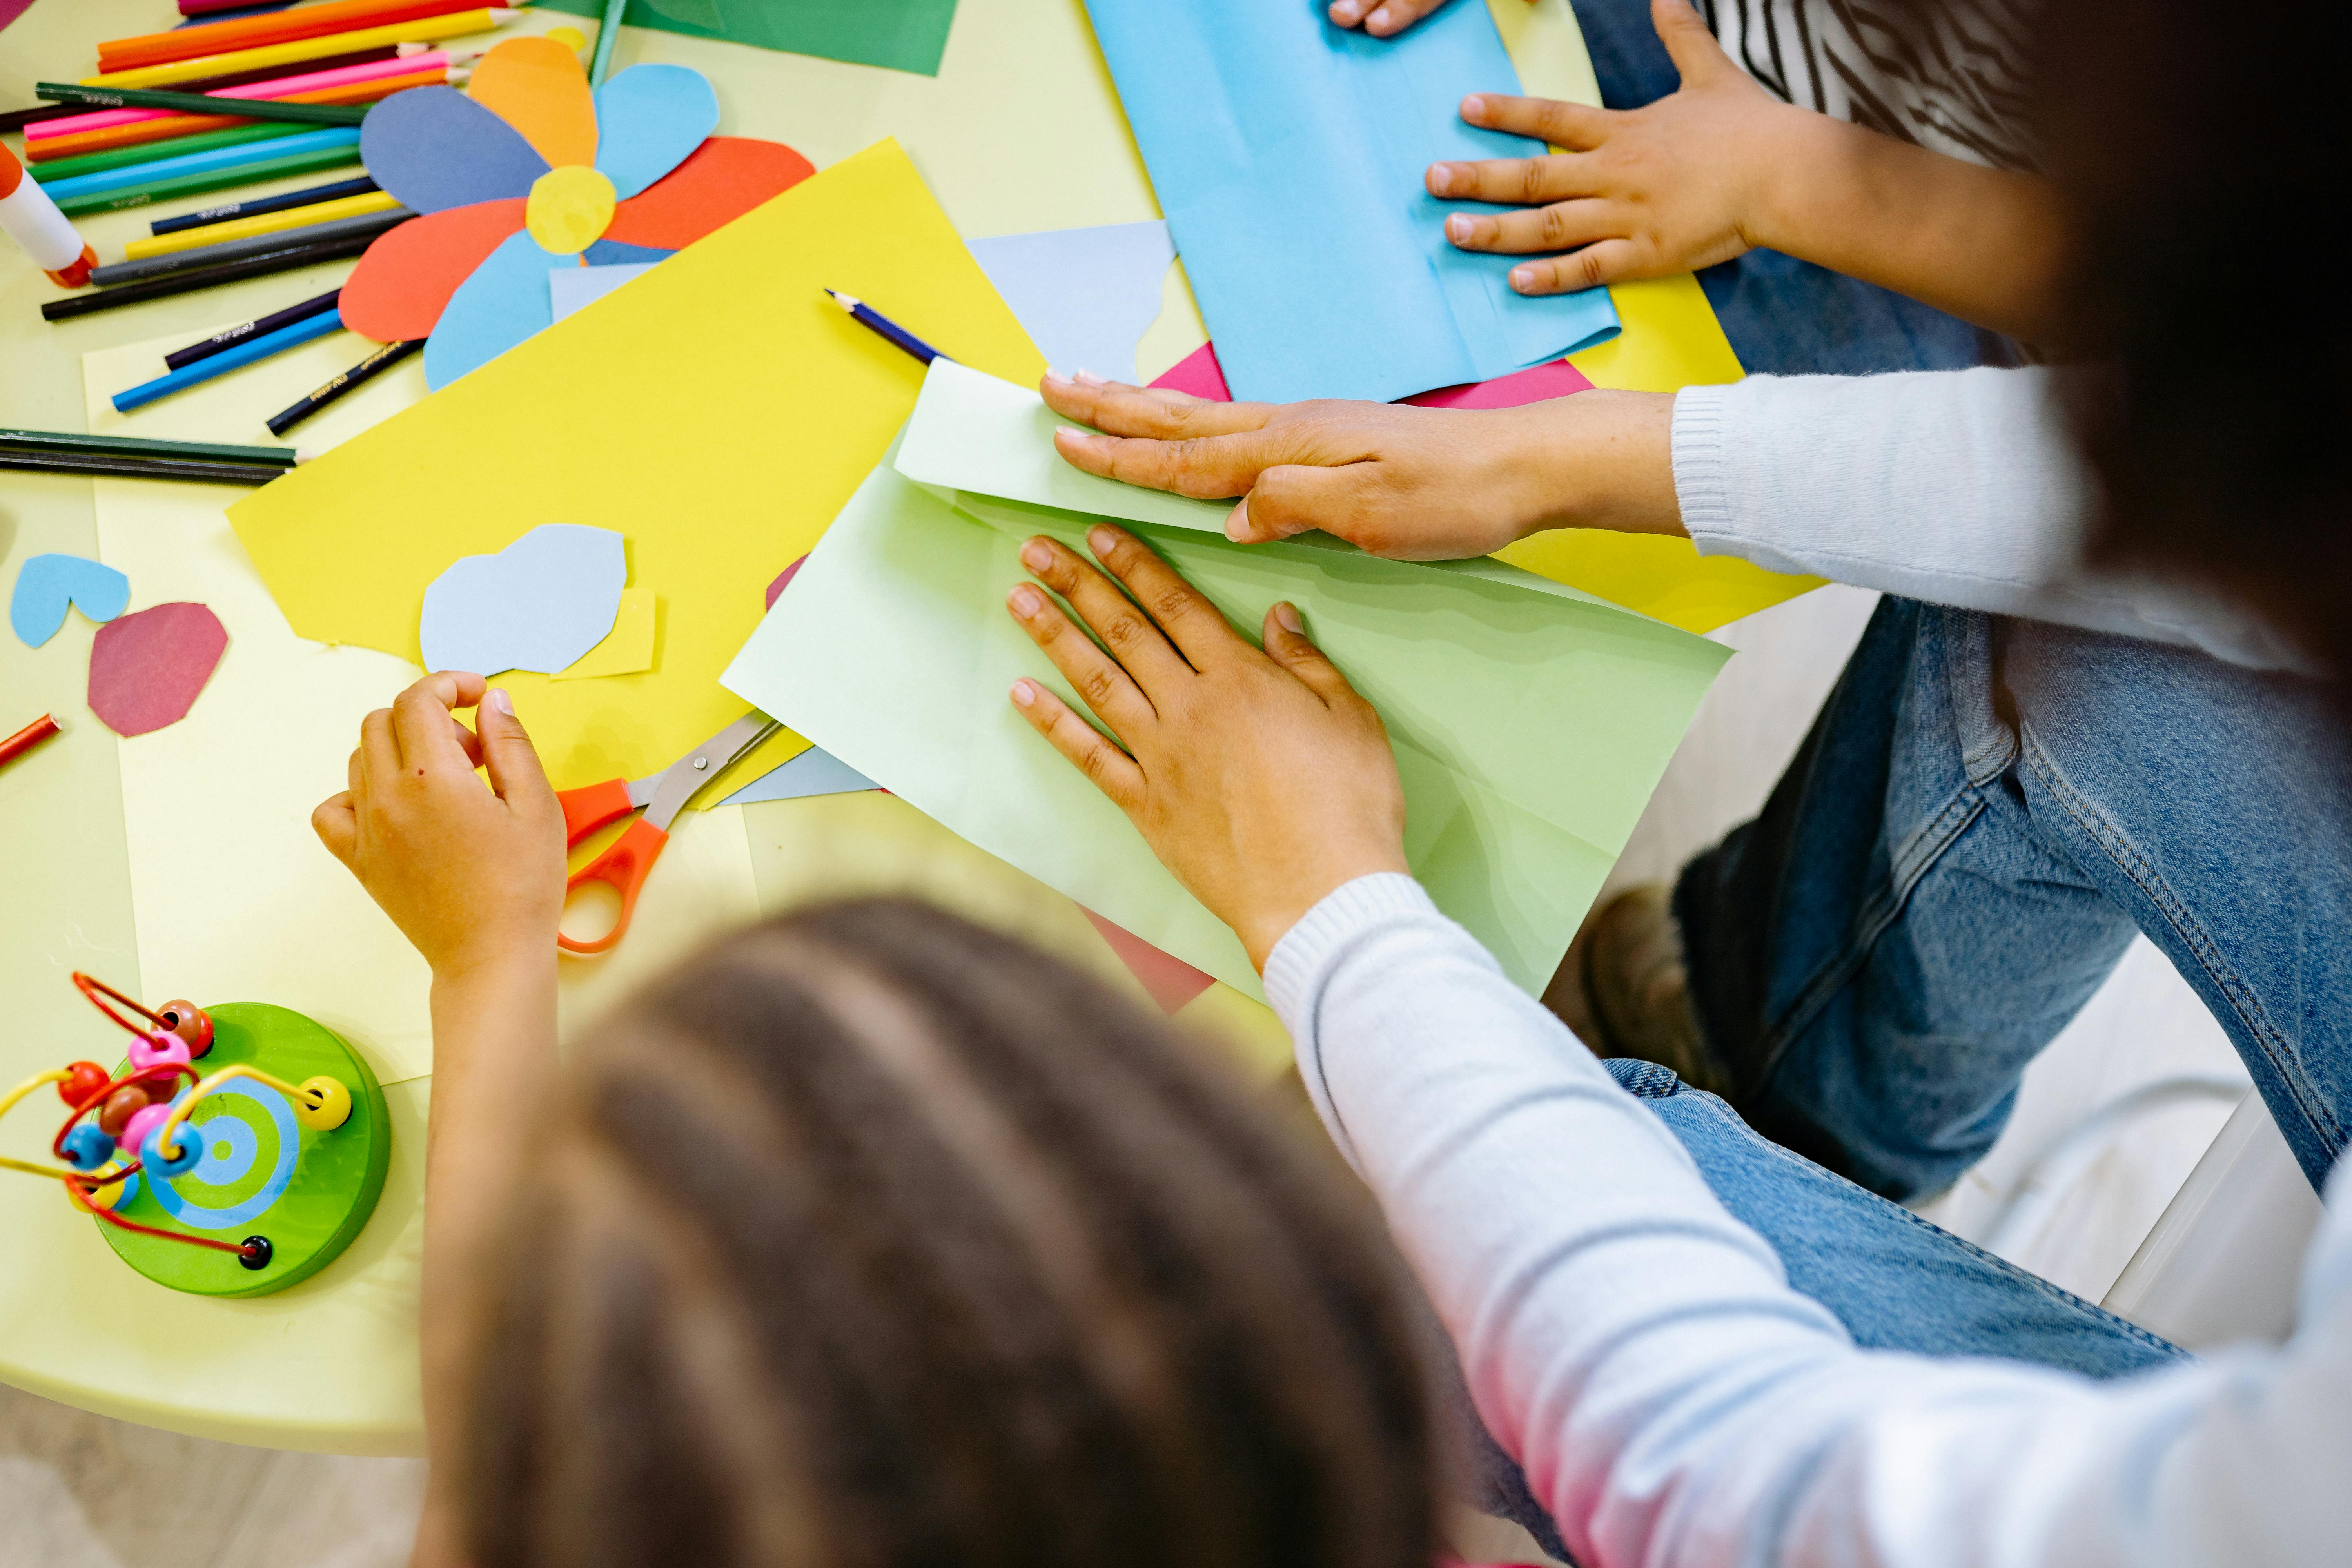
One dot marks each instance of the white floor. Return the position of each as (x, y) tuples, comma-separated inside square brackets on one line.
[(80, 1491)]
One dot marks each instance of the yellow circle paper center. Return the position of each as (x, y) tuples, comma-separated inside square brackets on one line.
[(569, 208)]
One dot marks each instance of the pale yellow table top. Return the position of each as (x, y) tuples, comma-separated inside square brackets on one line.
[(1021, 131)]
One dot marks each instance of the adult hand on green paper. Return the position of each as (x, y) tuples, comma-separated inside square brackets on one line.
[(1259, 778), (1380, 18), (471, 875), (1674, 186), (1412, 484)]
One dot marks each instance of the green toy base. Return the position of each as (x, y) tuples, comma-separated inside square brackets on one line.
[(310, 1193)]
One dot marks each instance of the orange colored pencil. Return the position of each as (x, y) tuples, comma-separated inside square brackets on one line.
[(177, 125), (252, 32)]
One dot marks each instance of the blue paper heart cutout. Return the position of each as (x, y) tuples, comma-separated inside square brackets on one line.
[(48, 585)]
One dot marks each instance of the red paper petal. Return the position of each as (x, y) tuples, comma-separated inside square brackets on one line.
[(146, 670), (724, 178), (1170, 981), (403, 282)]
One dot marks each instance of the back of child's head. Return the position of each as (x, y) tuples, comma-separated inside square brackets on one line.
[(873, 1237)]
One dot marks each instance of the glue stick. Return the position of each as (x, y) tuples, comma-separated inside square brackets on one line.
[(33, 221)]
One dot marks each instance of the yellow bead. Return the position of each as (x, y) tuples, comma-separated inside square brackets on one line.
[(323, 1105), (569, 209), (107, 1198)]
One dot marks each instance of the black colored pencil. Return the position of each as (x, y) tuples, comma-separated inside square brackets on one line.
[(17, 119), (260, 326), (201, 103), (143, 447), (139, 467), (367, 224), (368, 369), (260, 205), (206, 278)]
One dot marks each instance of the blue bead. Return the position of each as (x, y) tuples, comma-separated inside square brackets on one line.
[(88, 1147), (191, 1149)]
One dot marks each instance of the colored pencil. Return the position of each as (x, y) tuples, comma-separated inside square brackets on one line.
[(350, 98), (455, 23), (139, 467), (284, 27), (145, 182), (25, 739), (286, 261), (865, 315), (208, 7), (19, 118), (375, 364), (268, 222), (221, 364), (286, 85), (200, 105), (608, 33), (143, 447), (366, 224), (259, 204), (22, 118), (260, 326), (60, 169)]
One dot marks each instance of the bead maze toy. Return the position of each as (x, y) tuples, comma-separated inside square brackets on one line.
[(283, 1137)]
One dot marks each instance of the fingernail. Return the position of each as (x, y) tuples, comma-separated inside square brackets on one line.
[(1074, 431), (1379, 18), (1287, 615), (1101, 541), (1025, 601), (498, 700), (1023, 693), (1346, 13), (1441, 183), (1035, 556), (1474, 108), (1057, 378), (1458, 228), (1087, 378), (1523, 277), (1237, 521)]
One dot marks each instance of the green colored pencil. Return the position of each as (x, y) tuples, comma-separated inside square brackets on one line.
[(202, 103), (148, 151), (139, 446), (210, 180)]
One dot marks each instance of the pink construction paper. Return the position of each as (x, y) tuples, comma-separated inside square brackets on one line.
[(12, 9), (146, 670), (776, 588), (1170, 981), (1198, 374)]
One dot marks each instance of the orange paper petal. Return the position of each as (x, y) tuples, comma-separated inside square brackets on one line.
[(724, 178), (536, 85), (400, 287)]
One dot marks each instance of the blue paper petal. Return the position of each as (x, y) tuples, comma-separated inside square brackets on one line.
[(619, 253), (433, 147), (648, 119), (48, 585), (503, 302)]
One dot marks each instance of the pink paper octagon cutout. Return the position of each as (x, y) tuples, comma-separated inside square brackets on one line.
[(1170, 981), (146, 670)]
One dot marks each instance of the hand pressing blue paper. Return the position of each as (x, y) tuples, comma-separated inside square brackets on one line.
[(1085, 296), (49, 585), (1290, 155), (539, 605)]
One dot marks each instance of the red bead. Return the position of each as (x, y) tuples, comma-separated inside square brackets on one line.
[(87, 1078), (191, 1023), (120, 1105)]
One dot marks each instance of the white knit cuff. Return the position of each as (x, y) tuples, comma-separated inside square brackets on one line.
[(1702, 470)]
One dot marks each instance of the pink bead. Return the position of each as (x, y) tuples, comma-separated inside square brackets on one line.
[(135, 1131), (156, 1049)]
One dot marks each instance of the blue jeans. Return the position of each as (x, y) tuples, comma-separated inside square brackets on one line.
[(1895, 1281), (1784, 317)]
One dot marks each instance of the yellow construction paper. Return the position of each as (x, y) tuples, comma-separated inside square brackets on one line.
[(627, 649), (718, 411)]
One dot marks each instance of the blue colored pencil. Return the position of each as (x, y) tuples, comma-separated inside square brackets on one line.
[(244, 353), (220, 159), (867, 316), (260, 205)]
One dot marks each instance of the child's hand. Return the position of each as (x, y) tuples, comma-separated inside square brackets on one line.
[(470, 874), (1260, 778), (1677, 184), (1380, 18), (1412, 484)]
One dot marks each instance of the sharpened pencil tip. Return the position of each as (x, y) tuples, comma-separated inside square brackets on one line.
[(843, 300)]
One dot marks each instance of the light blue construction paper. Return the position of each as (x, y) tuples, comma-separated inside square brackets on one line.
[(134, 175), (48, 585), (540, 604), (435, 148), (570, 287), (813, 772), (648, 117), (1085, 296), (1289, 156), (504, 301), (620, 253)]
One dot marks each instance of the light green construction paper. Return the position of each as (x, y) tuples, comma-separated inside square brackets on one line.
[(893, 651)]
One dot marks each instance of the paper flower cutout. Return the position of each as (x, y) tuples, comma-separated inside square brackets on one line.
[(534, 172)]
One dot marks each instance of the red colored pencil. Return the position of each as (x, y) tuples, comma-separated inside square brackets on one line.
[(25, 739), (254, 32)]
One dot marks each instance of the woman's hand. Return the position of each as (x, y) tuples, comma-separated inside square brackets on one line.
[(1260, 779), (1412, 484), (1380, 18), (471, 875)]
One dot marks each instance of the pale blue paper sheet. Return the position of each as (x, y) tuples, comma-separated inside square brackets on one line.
[(813, 772), (570, 287), (1289, 156), (540, 604), (1085, 296)]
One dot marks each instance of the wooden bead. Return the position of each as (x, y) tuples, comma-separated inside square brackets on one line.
[(87, 1079), (121, 1107), (191, 1023), (156, 1049), (135, 1132), (88, 1147), (323, 1105)]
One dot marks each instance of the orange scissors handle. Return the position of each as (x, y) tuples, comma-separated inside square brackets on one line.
[(590, 807), (623, 866)]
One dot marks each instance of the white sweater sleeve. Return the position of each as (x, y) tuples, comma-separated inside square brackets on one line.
[(1958, 487), (1670, 1399)]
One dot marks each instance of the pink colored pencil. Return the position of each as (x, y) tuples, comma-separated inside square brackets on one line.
[(279, 87)]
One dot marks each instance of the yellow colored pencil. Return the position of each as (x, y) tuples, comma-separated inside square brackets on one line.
[(423, 30), (267, 223)]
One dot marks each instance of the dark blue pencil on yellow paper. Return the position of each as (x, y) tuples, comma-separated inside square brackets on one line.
[(867, 316)]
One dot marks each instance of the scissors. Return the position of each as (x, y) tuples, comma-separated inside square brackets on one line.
[(629, 860)]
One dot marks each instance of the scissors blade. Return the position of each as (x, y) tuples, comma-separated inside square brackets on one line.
[(679, 783)]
